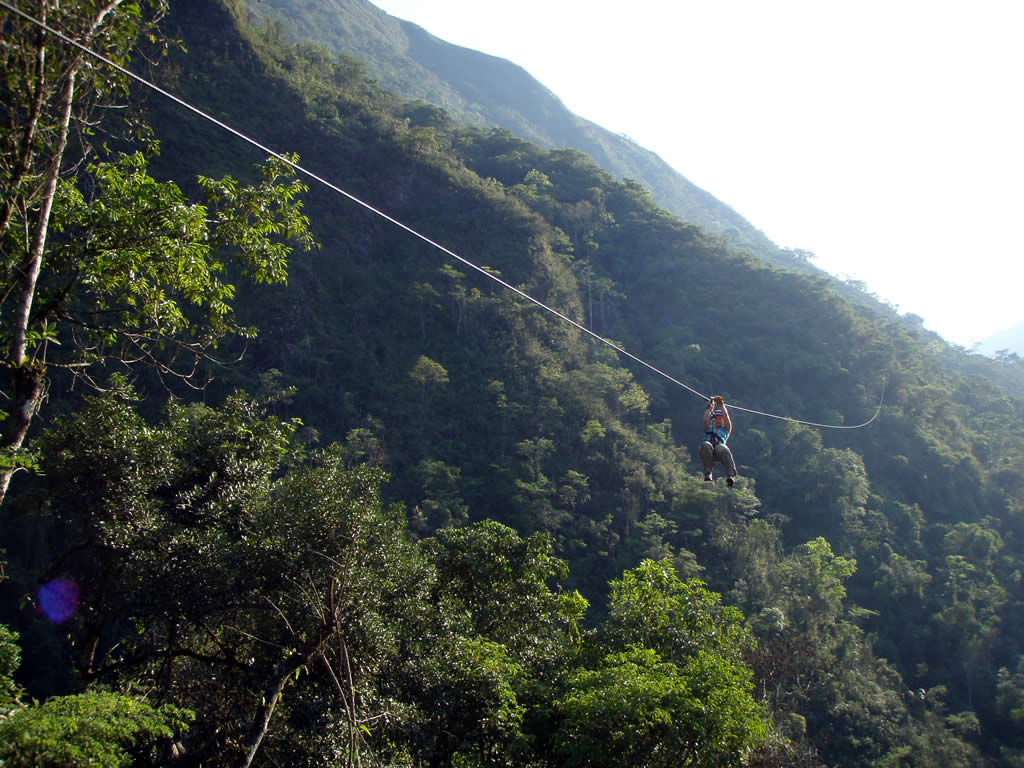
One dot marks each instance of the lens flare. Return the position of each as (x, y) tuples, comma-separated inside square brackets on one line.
[(59, 599)]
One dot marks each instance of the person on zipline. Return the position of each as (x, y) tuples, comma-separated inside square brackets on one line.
[(717, 426)]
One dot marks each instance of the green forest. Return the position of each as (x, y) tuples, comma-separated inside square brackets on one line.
[(283, 484)]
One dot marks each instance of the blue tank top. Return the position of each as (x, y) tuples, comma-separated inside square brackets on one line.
[(721, 431)]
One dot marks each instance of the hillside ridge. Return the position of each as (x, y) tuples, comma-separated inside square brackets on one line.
[(481, 89)]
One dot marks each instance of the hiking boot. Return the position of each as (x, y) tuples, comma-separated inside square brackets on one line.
[(729, 480), (708, 478)]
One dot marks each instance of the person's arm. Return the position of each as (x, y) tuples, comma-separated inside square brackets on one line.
[(707, 416), (720, 401)]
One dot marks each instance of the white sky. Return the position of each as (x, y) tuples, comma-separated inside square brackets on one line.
[(883, 135)]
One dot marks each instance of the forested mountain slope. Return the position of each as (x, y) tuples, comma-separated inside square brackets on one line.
[(878, 568), (484, 90)]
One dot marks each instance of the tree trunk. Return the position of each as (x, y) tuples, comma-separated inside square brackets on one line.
[(27, 376), (26, 392), (261, 724), (272, 693)]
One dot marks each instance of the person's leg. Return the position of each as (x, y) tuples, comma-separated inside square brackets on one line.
[(724, 455), (707, 456)]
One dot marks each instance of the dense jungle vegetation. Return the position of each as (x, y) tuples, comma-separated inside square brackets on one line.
[(290, 486)]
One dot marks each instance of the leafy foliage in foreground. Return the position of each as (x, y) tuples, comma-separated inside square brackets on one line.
[(95, 728), (245, 567), (672, 687)]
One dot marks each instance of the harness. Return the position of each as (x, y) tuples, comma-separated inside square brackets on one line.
[(711, 435)]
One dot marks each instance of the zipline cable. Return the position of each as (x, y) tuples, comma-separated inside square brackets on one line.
[(333, 187)]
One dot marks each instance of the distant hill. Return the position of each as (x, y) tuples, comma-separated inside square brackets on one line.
[(485, 90), (1011, 340)]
